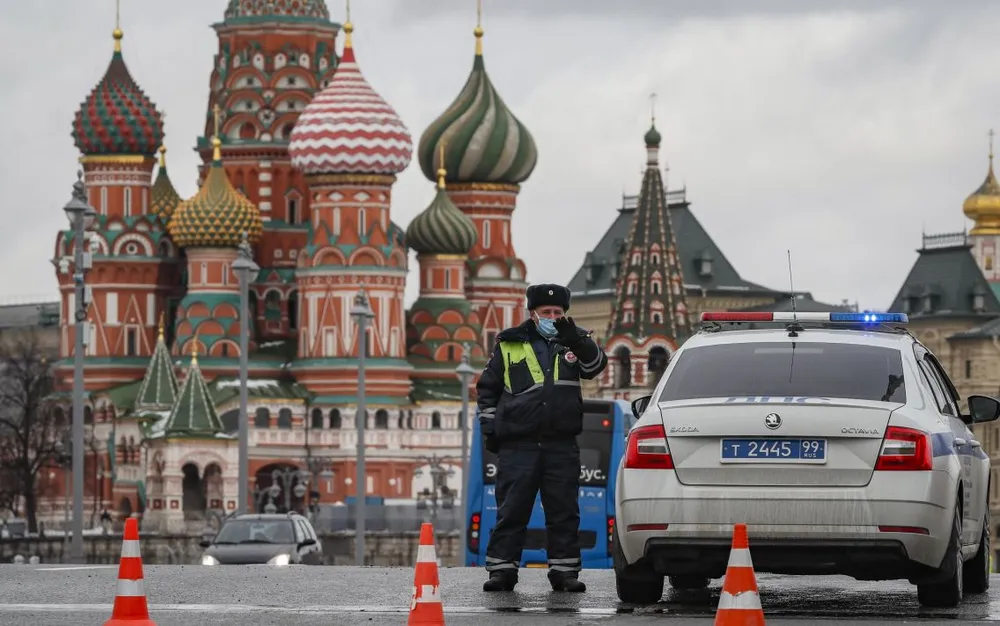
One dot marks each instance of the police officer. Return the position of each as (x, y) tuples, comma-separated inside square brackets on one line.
[(530, 412)]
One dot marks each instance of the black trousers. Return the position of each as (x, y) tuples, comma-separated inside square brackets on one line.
[(524, 468)]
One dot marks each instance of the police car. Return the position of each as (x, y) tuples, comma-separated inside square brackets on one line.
[(836, 437)]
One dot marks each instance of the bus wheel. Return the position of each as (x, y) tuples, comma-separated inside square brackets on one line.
[(635, 584), (688, 582)]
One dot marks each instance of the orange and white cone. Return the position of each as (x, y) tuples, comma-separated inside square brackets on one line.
[(739, 604), (425, 606), (130, 598)]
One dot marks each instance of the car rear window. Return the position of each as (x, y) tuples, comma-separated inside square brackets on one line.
[(819, 370)]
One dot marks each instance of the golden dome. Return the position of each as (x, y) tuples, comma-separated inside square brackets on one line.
[(217, 216), (983, 206)]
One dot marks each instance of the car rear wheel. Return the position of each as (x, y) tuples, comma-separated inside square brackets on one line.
[(977, 571), (688, 582), (948, 592), (635, 584)]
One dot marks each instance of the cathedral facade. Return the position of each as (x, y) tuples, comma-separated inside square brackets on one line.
[(300, 155)]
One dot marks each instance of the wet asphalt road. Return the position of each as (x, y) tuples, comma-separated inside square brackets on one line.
[(57, 595)]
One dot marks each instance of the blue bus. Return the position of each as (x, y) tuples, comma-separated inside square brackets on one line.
[(602, 445)]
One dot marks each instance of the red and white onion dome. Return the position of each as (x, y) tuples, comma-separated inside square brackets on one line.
[(348, 128)]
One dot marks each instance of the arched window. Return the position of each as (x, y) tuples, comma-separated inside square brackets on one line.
[(317, 419), (262, 419), (382, 419), (285, 418), (293, 310), (435, 420), (623, 368), (335, 420)]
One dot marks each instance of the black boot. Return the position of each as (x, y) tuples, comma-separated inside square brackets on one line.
[(500, 581), (566, 582)]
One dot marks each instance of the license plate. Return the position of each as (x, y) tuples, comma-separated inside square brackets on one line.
[(773, 451)]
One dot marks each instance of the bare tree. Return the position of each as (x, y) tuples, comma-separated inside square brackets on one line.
[(30, 421)]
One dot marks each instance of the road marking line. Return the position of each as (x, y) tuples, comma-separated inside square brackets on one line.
[(319, 609), (73, 567)]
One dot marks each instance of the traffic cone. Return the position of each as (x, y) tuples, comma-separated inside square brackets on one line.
[(425, 606), (739, 604), (130, 599)]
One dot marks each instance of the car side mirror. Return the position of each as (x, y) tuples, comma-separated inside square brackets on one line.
[(307, 542), (983, 408), (639, 405), (204, 543)]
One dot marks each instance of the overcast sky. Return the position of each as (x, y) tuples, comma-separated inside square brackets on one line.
[(839, 130)]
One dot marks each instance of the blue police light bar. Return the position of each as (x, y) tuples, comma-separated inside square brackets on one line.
[(787, 316)]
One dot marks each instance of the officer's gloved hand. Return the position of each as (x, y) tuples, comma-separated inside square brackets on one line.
[(568, 332)]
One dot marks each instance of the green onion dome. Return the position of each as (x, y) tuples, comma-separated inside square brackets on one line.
[(653, 137), (441, 228), (484, 142), (117, 117), (163, 197), (218, 215)]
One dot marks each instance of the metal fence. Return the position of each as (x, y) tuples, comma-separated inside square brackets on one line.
[(393, 518)]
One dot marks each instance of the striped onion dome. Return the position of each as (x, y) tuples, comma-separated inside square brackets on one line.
[(163, 197), (484, 142), (348, 128), (218, 215), (441, 228), (117, 117), (241, 10)]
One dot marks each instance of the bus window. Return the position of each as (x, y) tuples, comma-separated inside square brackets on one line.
[(595, 449)]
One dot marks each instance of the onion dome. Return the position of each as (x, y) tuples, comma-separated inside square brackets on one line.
[(984, 203), (441, 228), (485, 142), (163, 197), (218, 215), (239, 10), (117, 117), (348, 128), (653, 137)]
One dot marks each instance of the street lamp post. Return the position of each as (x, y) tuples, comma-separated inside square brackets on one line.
[(285, 477), (439, 490), (245, 268), (64, 459), (81, 216), (318, 468), (465, 373), (362, 314)]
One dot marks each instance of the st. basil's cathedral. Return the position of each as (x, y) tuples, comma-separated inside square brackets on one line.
[(300, 154)]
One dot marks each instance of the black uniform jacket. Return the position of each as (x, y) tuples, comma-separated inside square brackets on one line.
[(552, 411)]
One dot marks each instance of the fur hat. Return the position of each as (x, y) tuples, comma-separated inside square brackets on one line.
[(548, 295)]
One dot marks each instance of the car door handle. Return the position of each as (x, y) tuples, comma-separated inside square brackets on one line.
[(975, 444), (959, 442)]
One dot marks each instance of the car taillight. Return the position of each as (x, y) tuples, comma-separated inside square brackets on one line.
[(611, 530), (647, 449), (474, 527), (905, 449)]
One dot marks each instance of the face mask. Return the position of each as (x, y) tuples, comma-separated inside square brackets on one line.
[(546, 327)]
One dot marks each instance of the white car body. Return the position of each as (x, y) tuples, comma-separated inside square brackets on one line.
[(879, 503)]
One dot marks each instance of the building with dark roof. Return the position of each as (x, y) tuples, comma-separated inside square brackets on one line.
[(645, 284)]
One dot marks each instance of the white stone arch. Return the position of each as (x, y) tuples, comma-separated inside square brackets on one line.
[(491, 269), (202, 459), (144, 244)]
